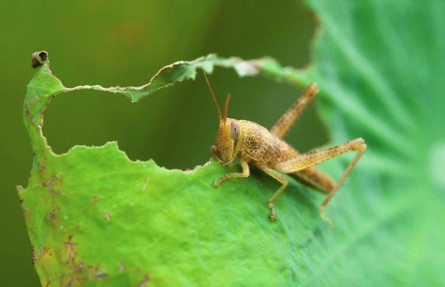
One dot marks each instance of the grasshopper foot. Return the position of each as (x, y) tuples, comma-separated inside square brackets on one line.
[(218, 182), (272, 211), (325, 218)]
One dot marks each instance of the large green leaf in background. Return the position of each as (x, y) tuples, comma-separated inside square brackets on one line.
[(380, 65), (96, 218)]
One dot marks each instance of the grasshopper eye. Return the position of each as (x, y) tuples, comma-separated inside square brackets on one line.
[(235, 130)]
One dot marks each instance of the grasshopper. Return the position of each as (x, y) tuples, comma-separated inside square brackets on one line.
[(265, 149)]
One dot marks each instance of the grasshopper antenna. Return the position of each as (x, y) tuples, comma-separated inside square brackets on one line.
[(214, 99), (226, 107)]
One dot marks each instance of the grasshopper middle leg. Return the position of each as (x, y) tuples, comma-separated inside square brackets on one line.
[(281, 179)]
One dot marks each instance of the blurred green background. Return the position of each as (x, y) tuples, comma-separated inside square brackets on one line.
[(117, 43)]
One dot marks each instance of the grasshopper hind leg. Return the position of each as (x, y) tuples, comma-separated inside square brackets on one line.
[(310, 159), (315, 179), (282, 127)]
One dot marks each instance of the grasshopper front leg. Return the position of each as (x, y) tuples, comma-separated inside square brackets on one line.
[(245, 173)]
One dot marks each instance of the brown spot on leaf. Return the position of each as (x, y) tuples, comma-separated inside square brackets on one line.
[(49, 184), (43, 251), (121, 267), (107, 216), (70, 250), (71, 281), (101, 275), (41, 167), (52, 215), (144, 282), (79, 266), (76, 276), (93, 204), (28, 114), (95, 274), (33, 255)]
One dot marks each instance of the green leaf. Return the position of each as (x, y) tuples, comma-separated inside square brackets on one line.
[(96, 218), (379, 65)]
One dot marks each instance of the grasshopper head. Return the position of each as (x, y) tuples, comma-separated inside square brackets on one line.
[(229, 134)]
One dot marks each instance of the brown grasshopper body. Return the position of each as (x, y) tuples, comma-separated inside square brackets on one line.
[(257, 146)]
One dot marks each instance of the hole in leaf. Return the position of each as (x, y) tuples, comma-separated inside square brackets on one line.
[(176, 126)]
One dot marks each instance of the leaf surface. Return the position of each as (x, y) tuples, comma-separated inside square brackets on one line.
[(96, 218), (379, 64)]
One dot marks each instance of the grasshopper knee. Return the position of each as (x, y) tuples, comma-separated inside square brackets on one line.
[(358, 144)]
